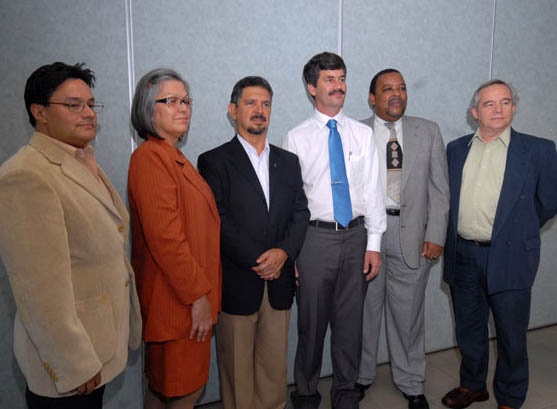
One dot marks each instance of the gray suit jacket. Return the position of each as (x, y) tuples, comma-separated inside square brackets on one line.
[(424, 195)]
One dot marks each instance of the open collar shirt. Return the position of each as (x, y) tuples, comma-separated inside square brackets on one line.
[(482, 180), (260, 164)]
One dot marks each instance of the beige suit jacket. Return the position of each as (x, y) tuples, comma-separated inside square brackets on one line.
[(63, 241)]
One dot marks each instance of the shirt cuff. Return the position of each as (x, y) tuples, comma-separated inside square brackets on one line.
[(374, 242)]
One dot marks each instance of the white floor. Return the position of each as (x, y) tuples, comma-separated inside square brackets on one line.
[(442, 375)]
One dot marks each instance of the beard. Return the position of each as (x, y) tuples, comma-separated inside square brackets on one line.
[(257, 131)]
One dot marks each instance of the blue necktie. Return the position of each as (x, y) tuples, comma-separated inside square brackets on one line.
[(339, 181)]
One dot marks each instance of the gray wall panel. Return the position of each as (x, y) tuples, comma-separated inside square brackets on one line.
[(222, 42), (441, 62), (525, 55)]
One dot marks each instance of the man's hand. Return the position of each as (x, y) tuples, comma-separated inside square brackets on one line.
[(372, 262), (90, 385), (296, 275), (269, 264), (431, 251), (201, 321)]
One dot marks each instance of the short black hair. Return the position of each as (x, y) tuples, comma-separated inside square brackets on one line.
[(319, 62), (250, 81), (46, 79), (375, 78)]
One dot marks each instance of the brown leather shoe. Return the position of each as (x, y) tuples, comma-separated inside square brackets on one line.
[(504, 407), (460, 398)]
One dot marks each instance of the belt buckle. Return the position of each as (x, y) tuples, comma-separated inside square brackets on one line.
[(336, 226)]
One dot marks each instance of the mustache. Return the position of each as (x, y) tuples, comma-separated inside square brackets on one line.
[(337, 91), (396, 100), (259, 116)]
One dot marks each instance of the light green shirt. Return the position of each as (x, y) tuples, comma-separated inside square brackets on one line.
[(482, 179)]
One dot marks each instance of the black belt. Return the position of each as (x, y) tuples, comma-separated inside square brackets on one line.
[(335, 226), (393, 212), (475, 242)]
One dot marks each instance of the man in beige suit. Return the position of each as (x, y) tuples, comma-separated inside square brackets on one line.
[(63, 242)]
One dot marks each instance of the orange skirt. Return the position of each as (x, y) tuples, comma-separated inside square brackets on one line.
[(178, 367)]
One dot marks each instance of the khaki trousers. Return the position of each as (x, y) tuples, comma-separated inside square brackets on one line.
[(252, 352)]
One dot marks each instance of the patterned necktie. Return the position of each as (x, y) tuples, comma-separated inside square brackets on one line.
[(339, 181), (394, 164)]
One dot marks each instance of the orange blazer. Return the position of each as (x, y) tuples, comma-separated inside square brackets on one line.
[(175, 239)]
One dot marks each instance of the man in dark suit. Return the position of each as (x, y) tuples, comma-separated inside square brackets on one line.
[(503, 189), (416, 188), (264, 215)]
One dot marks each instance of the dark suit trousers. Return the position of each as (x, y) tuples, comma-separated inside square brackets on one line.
[(91, 401), (511, 314), (331, 291)]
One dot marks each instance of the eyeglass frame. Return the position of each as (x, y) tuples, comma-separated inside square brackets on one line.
[(79, 107), (183, 101)]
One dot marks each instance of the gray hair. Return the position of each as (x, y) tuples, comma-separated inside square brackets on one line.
[(476, 97), (143, 104)]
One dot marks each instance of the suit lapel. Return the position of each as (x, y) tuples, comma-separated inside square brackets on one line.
[(516, 172), (456, 166), (197, 181), (116, 199), (411, 145), (75, 171), (241, 162)]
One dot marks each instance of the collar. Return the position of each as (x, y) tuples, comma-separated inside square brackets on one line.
[(322, 119), (179, 156), (504, 137), (66, 147), (382, 122), (250, 148)]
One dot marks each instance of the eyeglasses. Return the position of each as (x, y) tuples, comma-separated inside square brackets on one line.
[(175, 101), (78, 106)]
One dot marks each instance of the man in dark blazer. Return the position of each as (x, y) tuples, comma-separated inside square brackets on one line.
[(264, 215), (417, 214), (503, 189)]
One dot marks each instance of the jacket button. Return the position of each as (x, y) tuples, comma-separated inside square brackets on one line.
[(509, 242), (127, 283), (120, 229)]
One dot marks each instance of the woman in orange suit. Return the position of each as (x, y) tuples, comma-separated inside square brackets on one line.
[(175, 245)]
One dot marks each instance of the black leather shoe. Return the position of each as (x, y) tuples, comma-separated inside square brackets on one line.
[(417, 401), (305, 401), (362, 389), (460, 398)]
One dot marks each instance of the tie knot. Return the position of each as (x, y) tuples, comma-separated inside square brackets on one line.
[(332, 124), (390, 125)]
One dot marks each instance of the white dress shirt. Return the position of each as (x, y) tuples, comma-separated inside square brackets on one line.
[(382, 134), (260, 164), (310, 141)]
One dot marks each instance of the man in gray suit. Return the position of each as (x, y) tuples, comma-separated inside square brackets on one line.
[(414, 174)]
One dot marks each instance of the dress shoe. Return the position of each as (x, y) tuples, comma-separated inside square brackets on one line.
[(362, 389), (504, 407), (417, 401), (460, 398), (305, 401)]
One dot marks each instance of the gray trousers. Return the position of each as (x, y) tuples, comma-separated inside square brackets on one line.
[(401, 290), (331, 291)]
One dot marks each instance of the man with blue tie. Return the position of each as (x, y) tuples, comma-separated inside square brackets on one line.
[(503, 187), (341, 251)]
